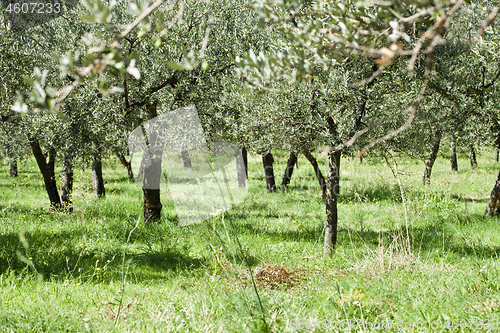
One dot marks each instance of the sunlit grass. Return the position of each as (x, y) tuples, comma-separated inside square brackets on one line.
[(433, 257)]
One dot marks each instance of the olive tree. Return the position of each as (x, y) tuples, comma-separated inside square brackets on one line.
[(163, 56), (318, 36)]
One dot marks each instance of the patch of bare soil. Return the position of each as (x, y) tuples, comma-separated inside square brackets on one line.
[(278, 277)]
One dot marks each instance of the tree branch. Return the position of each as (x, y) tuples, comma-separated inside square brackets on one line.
[(492, 81), (7, 118), (131, 26)]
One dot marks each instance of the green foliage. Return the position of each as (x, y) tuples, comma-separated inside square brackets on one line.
[(319, 35), (82, 97)]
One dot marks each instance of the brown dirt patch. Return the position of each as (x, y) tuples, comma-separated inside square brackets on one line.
[(278, 277)]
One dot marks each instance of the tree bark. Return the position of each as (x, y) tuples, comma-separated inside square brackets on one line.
[(493, 208), (292, 160), (152, 174), (317, 171), (496, 155), (332, 192), (240, 169), (152, 205), (52, 161), (268, 161), (67, 181), (432, 158), (453, 157), (97, 180), (13, 169), (48, 176), (472, 156), (186, 159), (127, 165), (244, 154)]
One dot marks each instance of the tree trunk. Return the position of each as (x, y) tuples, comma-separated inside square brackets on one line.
[(52, 161), (67, 181), (317, 171), (430, 163), (240, 169), (292, 160), (126, 164), (186, 159), (97, 180), (152, 174), (496, 155), (268, 161), (13, 168), (244, 154), (493, 208), (472, 155), (453, 157), (48, 176), (332, 192), (152, 205)]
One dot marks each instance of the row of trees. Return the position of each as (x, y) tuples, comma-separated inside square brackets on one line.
[(351, 77)]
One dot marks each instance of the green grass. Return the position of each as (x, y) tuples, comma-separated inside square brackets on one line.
[(431, 256)]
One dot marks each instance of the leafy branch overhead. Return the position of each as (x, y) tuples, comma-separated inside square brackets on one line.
[(317, 35), (108, 50)]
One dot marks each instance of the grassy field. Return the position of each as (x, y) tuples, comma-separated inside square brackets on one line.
[(406, 255)]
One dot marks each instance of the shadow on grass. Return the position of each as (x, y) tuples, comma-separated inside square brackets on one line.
[(302, 234), (424, 238), (374, 193), (57, 256), (427, 238), (160, 261), (118, 178), (468, 199)]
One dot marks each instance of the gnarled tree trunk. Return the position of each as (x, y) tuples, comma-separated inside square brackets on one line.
[(127, 165), (97, 179), (292, 160), (67, 181), (496, 155), (472, 156), (13, 169), (152, 174), (453, 157), (430, 162), (268, 161), (240, 169), (244, 154), (493, 208), (332, 192), (52, 161), (48, 175), (152, 205), (317, 171)]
